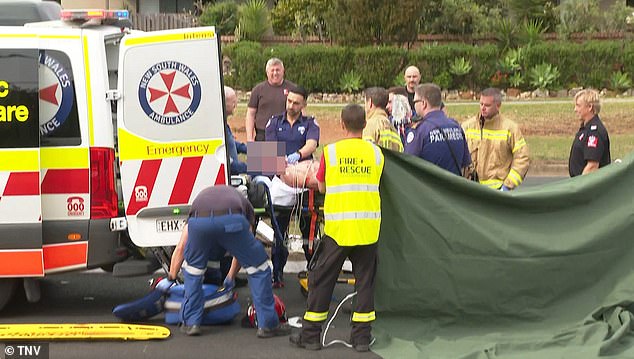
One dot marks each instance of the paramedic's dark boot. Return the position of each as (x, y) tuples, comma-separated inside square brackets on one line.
[(299, 341), (279, 331)]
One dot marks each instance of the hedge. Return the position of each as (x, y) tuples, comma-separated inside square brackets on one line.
[(319, 68)]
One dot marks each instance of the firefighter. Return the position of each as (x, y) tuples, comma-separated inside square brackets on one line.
[(349, 174), (221, 220), (498, 149)]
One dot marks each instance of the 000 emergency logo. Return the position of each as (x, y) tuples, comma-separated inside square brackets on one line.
[(56, 93), (169, 92)]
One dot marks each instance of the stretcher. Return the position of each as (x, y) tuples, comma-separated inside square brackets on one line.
[(96, 331)]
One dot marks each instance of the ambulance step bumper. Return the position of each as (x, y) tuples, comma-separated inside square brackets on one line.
[(135, 267)]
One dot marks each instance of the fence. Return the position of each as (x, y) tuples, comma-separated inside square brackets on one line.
[(152, 22)]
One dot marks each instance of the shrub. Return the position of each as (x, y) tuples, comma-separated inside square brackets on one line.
[(543, 76), (350, 82), (506, 35), (223, 15), (531, 32), (248, 63), (319, 68), (460, 66), (316, 67), (578, 16), (443, 80), (253, 21), (516, 80), (620, 81), (299, 18), (378, 65), (615, 19)]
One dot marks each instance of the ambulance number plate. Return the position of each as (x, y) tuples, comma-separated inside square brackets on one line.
[(170, 224)]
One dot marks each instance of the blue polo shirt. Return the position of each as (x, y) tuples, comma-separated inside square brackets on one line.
[(427, 142), (279, 129)]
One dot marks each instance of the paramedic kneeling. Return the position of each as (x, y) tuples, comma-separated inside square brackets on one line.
[(220, 221), (350, 172)]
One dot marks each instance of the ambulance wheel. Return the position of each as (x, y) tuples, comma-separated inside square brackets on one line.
[(7, 288), (108, 267)]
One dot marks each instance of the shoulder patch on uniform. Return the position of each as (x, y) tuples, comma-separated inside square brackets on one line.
[(593, 141), (410, 137), (593, 127)]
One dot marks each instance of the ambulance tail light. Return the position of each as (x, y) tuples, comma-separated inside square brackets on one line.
[(103, 196)]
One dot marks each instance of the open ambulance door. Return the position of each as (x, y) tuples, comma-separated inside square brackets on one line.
[(171, 128), (20, 202)]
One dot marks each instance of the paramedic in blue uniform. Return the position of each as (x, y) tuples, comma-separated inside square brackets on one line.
[(435, 137), (301, 135), (221, 220), (591, 146)]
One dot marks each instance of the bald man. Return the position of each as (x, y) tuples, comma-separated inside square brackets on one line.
[(233, 147), (412, 79)]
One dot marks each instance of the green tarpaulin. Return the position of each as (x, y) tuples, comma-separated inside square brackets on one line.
[(469, 272)]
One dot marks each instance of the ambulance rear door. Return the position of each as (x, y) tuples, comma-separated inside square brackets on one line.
[(170, 118), (20, 202)]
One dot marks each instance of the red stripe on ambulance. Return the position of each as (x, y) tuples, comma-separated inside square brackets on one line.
[(185, 180), (21, 263), (22, 184), (64, 255), (220, 177), (143, 186), (60, 181)]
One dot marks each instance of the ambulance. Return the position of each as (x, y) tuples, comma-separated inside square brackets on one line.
[(93, 114)]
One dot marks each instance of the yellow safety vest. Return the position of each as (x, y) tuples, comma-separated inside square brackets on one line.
[(352, 207)]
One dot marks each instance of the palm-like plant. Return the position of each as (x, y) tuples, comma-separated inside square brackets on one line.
[(253, 20)]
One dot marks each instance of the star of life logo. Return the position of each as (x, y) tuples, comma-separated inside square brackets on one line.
[(169, 92), (56, 93)]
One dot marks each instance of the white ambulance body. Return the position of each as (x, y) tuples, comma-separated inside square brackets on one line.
[(69, 91)]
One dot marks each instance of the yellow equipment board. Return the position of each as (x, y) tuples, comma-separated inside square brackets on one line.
[(95, 331)]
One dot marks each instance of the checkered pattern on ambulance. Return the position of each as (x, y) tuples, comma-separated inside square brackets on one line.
[(20, 186), (20, 197), (168, 181), (65, 185)]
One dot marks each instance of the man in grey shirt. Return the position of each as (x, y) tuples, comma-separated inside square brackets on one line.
[(268, 98)]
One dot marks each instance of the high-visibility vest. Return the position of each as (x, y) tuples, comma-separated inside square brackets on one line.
[(352, 207)]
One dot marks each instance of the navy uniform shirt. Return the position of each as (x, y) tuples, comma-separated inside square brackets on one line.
[(427, 142), (280, 130), (591, 143)]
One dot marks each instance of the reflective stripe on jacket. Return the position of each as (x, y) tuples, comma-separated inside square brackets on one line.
[(352, 207), (498, 151), (380, 131)]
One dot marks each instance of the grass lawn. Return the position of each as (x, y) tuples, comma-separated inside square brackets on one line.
[(548, 126)]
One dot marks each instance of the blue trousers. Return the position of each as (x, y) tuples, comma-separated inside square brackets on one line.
[(279, 252), (210, 238)]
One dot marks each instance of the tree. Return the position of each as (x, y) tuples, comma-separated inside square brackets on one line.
[(531, 10), (365, 22), (300, 18), (223, 15), (253, 20)]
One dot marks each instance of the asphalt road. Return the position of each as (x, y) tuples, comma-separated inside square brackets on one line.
[(89, 297)]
